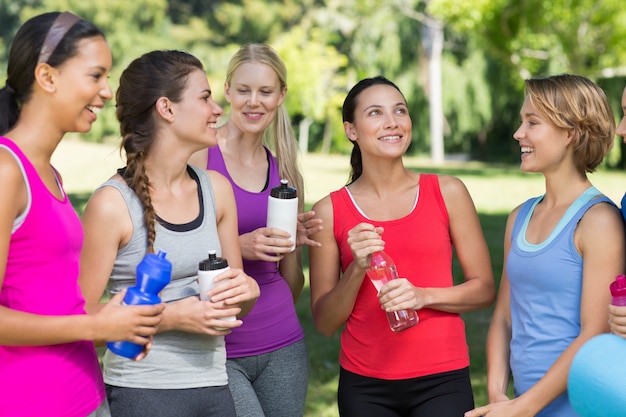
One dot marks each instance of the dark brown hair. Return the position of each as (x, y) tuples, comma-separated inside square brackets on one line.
[(24, 56), (349, 107), (154, 75)]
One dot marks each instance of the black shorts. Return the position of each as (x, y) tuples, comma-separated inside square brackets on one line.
[(448, 394)]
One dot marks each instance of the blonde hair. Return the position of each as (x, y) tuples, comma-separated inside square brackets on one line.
[(575, 103), (279, 136)]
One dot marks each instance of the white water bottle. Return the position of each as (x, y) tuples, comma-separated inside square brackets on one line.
[(282, 210), (208, 269)]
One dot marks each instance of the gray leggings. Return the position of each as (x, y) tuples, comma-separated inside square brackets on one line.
[(188, 402), (273, 384)]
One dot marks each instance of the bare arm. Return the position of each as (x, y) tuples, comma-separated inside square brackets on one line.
[(291, 269), (19, 328), (333, 294), (291, 265), (107, 227), (499, 336)]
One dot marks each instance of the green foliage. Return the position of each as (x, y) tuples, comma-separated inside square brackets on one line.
[(536, 37), (468, 103), (491, 46)]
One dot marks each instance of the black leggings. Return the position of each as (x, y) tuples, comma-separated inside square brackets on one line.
[(448, 394), (189, 402)]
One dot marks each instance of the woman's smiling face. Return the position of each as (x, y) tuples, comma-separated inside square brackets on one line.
[(542, 144), (83, 85), (254, 94), (381, 121)]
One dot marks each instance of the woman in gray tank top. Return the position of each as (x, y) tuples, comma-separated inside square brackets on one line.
[(158, 202)]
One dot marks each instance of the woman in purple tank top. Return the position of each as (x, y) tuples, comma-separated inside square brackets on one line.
[(57, 81), (267, 356)]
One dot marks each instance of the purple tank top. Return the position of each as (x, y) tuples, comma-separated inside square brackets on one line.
[(42, 278), (272, 324)]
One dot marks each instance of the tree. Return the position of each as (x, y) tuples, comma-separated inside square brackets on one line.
[(536, 36), (315, 80), (531, 38)]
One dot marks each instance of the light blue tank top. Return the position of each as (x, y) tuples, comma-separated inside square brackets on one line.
[(545, 290)]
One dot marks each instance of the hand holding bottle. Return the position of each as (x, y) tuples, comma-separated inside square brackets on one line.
[(382, 270), (117, 321), (269, 244), (617, 309), (208, 270), (365, 239), (282, 210), (153, 273)]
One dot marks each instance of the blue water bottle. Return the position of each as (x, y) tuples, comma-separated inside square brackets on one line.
[(154, 272)]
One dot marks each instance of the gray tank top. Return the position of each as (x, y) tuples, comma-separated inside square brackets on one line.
[(177, 359)]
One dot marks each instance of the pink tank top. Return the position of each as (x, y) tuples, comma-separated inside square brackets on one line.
[(420, 245), (42, 278)]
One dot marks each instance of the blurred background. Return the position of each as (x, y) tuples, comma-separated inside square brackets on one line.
[(460, 63)]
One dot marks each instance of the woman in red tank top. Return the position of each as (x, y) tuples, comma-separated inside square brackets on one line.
[(418, 220)]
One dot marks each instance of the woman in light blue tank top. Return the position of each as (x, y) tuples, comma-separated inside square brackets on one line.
[(562, 250), (158, 202)]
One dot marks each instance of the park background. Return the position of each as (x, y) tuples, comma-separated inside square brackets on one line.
[(460, 63)]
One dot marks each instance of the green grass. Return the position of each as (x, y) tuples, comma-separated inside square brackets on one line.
[(496, 190)]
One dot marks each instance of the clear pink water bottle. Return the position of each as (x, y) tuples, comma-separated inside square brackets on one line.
[(618, 291), (382, 270)]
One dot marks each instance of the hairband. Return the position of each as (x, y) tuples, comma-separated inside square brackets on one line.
[(61, 25)]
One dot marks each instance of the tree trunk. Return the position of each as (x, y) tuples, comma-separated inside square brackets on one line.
[(303, 134), (432, 38)]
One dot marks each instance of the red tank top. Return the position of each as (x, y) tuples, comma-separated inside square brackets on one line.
[(420, 245)]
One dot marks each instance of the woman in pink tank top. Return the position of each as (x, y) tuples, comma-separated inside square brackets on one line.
[(57, 80)]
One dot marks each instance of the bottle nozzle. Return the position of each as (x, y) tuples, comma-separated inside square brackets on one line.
[(284, 191), (161, 254)]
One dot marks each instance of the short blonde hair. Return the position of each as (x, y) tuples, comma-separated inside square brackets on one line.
[(576, 103)]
